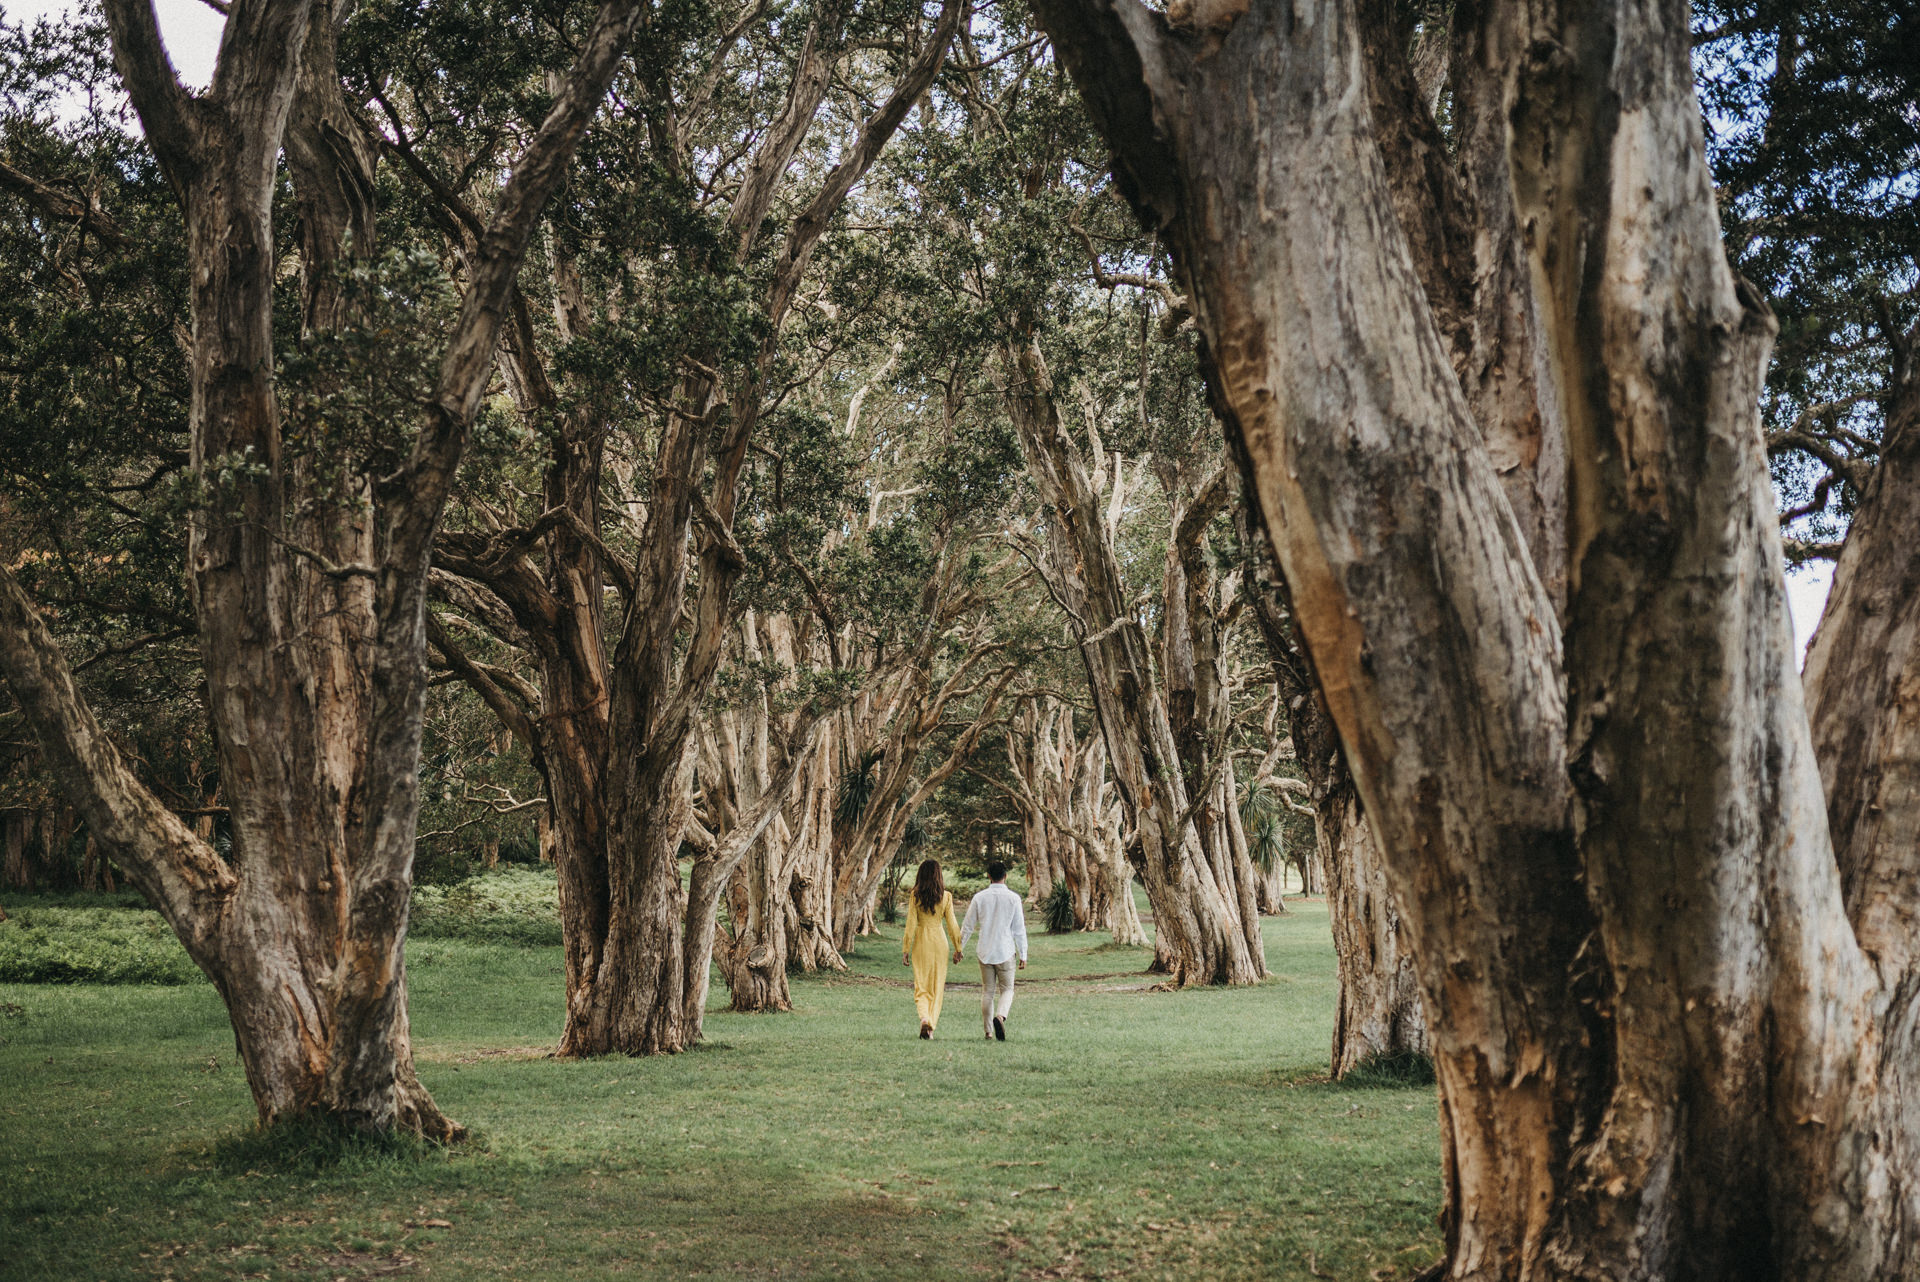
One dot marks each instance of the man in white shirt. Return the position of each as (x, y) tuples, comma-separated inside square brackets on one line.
[(1001, 919)]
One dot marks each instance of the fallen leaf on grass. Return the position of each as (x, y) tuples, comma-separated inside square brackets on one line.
[(429, 1224), (367, 1265)]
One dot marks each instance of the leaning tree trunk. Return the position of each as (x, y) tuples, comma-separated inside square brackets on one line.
[(1863, 696), (1659, 1026), (1199, 934), (1199, 706), (809, 897)]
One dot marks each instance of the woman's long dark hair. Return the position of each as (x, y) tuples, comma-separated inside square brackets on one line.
[(929, 888)]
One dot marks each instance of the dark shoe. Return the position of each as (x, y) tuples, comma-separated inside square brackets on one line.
[(926, 1032), (999, 1029)]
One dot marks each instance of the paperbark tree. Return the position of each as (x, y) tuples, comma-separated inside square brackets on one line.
[(1667, 1043), (918, 711), (1205, 929), (1378, 1011), (743, 753), (638, 944), (314, 652), (1071, 820)]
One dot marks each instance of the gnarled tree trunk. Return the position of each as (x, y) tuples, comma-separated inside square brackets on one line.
[(1379, 1011), (309, 601), (737, 765), (1658, 1021), (1202, 935)]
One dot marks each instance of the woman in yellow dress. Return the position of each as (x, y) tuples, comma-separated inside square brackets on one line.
[(928, 908)]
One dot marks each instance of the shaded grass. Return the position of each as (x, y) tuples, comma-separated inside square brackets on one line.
[(1402, 1068), (101, 939), (1119, 1132)]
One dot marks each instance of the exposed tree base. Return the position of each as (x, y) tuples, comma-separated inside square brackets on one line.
[(1380, 1012)]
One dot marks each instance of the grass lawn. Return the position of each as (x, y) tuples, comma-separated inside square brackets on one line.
[(1120, 1132)]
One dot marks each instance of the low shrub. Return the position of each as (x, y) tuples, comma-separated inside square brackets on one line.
[(965, 886), (508, 905), (1058, 910), (56, 944)]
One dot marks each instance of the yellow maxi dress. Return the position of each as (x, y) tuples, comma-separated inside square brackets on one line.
[(923, 946)]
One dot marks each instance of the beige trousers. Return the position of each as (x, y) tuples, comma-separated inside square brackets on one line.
[(996, 992)]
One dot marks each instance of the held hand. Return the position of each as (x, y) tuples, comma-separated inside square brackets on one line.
[(1023, 963), (956, 954)]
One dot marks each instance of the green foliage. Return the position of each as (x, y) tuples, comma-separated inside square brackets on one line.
[(61, 943), (507, 905), (856, 790), (1814, 143), (344, 393), (1058, 910), (966, 883), (1263, 815)]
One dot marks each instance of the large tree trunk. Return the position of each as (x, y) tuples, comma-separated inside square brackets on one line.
[(1199, 709), (1863, 697), (1863, 681), (309, 596), (1658, 1030)]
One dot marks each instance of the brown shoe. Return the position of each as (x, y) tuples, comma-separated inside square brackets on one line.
[(926, 1032)]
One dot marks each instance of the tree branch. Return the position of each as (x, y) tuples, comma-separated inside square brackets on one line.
[(428, 475), (57, 204), (165, 110), (510, 713), (181, 873)]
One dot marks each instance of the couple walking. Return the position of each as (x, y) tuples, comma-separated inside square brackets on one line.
[(996, 913)]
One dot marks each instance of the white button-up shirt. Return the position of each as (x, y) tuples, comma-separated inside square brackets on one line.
[(1001, 919)]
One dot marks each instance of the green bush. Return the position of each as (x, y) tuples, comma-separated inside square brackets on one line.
[(1058, 910), (111, 939), (965, 886), (57, 944), (508, 905)]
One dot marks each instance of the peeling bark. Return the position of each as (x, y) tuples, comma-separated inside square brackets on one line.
[(1658, 1032), (1205, 929), (310, 611)]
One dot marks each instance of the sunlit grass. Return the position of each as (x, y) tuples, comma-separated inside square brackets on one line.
[(1120, 1132)]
